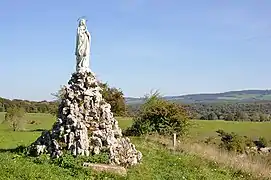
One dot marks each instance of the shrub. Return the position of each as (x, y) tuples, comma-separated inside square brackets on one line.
[(159, 116), (261, 143), (210, 140), (15, 118), (234, 142)]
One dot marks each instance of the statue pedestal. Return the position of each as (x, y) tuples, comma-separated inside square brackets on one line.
[(85, 125)]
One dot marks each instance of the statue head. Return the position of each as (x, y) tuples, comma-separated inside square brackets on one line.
[(82, 21)]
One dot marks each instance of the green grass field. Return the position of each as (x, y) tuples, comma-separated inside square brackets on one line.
[(158, 161), (206, 128), (200, 129)]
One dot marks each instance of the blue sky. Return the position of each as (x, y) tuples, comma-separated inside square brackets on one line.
[(176, 46)]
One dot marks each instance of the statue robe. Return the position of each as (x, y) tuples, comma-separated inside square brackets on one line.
[(82, 50)]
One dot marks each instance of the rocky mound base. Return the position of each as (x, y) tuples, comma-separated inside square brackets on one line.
[(85, 126)]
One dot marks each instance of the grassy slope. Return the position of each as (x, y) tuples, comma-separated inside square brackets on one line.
[(158, 162)]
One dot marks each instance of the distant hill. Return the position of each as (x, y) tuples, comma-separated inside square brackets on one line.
[(230, 96)]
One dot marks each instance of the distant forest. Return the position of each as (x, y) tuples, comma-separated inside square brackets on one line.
[(29, 106), (254, 111)]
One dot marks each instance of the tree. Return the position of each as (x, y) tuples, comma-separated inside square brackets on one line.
[(15, 118), (212, 116), (2, 108), (255, 117), (112, 95), (204, 116), (115, 98), (229, 117), (241, 116), (157, 115), (263, 117), (59, 94)]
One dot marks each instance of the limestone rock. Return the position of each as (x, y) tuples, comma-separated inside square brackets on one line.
[(85, 125), (265, 150), (107, 168)]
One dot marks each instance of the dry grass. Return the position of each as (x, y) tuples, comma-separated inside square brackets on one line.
[(257, 167)]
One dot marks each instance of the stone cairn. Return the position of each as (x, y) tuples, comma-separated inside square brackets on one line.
[(85, 126)]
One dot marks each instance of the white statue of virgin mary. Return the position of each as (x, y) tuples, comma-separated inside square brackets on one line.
[(82, 50)]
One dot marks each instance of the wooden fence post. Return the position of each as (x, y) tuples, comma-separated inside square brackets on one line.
[(174, 141)]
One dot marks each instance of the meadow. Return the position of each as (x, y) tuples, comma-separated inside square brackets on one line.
[(201, 129), (207, 128), (159, 162)]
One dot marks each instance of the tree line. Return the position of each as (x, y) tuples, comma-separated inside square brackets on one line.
[(111, 95), (28, 106), (256, 111)]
